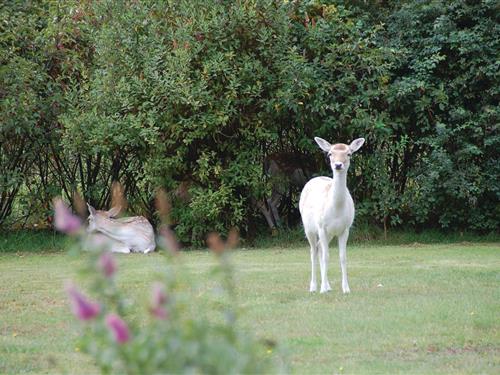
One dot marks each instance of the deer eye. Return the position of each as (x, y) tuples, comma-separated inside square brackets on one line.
[(349, 154)]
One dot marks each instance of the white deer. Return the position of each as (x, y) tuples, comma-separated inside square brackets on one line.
[(327, 210), (124, 235)]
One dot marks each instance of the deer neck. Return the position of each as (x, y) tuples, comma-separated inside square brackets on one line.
[(111, 229), (339, 191)]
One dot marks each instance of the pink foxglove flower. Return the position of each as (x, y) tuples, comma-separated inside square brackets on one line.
[(65, 221), (107, 264), (118, 327), (83, 308), (158, 301)]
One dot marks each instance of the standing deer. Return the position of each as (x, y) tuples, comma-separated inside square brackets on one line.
[(327, 210), (124, 235), (286, 172)]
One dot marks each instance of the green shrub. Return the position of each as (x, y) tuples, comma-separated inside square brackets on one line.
[(193, 96), (444, 96), (23, 97)]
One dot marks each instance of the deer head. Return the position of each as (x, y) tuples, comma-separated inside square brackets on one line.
[(339, 153), (98, 217)]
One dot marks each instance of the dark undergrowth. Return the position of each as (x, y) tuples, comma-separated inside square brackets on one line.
[(36, 241), (362, 235), (32, 241)]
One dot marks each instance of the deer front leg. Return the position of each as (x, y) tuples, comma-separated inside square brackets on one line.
[(121, 249), (313, 241), (323, 262), (343, 260)]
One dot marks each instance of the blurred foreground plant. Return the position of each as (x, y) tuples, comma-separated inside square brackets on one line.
[(165, 337)]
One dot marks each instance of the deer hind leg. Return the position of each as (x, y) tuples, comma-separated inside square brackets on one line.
[(313, 241), (323, 262), (267, 214), (273, 204), (343, 259)]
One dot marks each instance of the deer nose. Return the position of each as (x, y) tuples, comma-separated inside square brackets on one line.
[(338, 166)]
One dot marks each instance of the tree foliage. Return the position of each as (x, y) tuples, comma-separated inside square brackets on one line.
[(445, 94), (193, 95)]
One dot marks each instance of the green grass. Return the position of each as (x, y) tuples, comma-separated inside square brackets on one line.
[(413, 308)]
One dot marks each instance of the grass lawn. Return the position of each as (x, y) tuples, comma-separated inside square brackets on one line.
[(413, 309)]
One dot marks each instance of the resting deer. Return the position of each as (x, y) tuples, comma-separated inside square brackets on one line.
[(327, 210), (124, 235)]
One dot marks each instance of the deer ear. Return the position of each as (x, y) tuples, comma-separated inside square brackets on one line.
[(91, 210), (356, 144), (114, 211), (324, 145)]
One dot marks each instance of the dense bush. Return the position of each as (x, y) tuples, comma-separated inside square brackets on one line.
[(23, 97), (194, 95), (444, 97)]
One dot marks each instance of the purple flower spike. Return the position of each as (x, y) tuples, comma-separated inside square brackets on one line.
[(107, 264), (159, 295), (159, 312), (158, 300), (81, 306), (118, 327), (65, 221)]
